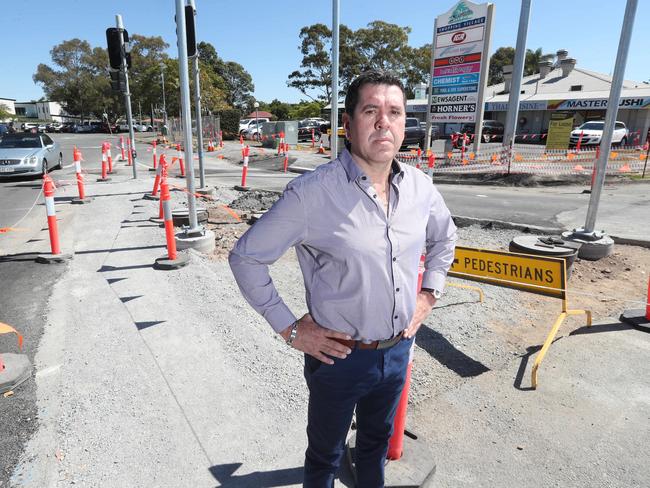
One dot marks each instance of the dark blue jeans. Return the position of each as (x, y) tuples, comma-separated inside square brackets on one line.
[(371, 381)]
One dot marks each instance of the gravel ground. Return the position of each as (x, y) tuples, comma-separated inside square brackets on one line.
[(188, 385), (461, 339)]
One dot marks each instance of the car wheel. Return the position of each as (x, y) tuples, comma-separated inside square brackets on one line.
[(623, 142), (44, 167), (59, 164), (486, 137)]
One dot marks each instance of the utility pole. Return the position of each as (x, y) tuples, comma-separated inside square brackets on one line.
[(334, 115), (596, 245), (127, 95), (517, 73), (195, 230), (197, 108)]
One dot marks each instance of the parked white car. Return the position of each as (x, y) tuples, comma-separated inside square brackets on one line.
[(592, 133), (249, 124)]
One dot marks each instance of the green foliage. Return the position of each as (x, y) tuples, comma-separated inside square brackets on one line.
[(230, 123), (505, 56), (79, 79), (234, 81), (4, 112), (305, 109), (380, 45)]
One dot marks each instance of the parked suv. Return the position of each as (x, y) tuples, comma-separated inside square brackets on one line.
[(249, 124), (492, 131), (592, 133)]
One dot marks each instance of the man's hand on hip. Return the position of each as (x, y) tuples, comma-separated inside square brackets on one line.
[(318, 341), (423, 306)]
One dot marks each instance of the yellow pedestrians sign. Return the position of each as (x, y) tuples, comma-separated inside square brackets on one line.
[(535, 274)]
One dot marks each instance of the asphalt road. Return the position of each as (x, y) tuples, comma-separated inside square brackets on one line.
[(27, 286)]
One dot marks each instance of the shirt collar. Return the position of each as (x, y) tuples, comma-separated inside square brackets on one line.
[(354, 172)]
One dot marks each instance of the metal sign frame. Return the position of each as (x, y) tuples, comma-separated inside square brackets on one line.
[(553, 292)]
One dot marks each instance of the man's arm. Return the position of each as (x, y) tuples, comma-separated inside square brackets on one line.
[(280, 228), (440, 244), (439, 255), (283, 226)]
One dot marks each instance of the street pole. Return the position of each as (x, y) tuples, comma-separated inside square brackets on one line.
[(517, 73), (186, 118), (162, 75), (334, 115), (257, 124), (127, 94), (197, 109), (140, 112), (199, 121), (480, 106), (610, 117)]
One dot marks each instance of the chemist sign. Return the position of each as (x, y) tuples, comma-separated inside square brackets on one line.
[(458, 62)]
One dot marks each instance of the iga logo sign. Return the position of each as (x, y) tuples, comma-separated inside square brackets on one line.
[(458, 37)]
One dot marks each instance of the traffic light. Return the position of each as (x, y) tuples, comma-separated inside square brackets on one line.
[(118, 81), (190, 33), (114, 51)]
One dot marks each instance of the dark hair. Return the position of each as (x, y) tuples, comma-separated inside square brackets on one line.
[(371, 77)]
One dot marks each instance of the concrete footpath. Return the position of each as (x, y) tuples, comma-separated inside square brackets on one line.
[(163, 379)]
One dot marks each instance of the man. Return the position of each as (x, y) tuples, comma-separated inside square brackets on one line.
[(359, 225)]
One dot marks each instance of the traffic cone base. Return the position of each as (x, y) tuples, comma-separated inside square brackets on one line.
[(166, 264)]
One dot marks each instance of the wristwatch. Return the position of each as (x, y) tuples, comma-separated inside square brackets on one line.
[(437, 294), (292, 334)]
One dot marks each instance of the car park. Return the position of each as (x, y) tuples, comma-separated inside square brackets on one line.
[(84, 128), (247, 124), (305, 128), (592, 133), (28, 154), (492, 131)]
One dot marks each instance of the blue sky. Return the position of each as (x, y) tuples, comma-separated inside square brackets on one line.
[(263, 35)]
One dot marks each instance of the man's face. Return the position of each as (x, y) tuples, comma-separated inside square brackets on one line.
[(376, 130)]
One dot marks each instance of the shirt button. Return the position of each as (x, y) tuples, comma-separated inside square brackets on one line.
[(394, 259), (396, 289), (364, 178), (374, 196), (395, 317)]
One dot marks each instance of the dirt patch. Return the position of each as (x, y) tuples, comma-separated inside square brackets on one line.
[(255, 201), (606, 287)]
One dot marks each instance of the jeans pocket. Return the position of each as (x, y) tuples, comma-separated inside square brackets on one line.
[(311, 365)]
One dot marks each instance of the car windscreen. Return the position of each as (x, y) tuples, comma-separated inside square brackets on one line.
[(592, 126), (12, 141)]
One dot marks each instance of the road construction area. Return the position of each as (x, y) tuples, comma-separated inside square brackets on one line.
[(144, 377)]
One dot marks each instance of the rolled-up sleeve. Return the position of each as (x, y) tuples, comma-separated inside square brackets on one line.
[(440, 244), (280, 228)]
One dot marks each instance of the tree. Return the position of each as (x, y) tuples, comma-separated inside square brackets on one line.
[(231, 78), (315, 73), (279, 109), (505, 56), (4, 112), (380, 45), (305, 109), (79, 80)]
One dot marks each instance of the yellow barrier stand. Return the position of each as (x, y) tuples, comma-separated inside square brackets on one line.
[(541, 275)]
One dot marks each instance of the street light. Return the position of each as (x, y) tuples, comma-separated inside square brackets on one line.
[(162, 76), (257, 106)]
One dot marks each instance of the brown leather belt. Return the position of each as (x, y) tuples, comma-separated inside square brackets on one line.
[(385, 344)]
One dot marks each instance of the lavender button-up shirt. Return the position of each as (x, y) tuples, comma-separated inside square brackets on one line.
[(359, 265)]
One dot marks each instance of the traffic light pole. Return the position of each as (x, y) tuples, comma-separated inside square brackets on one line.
[(197, 109), (127, 94), (186, 118)]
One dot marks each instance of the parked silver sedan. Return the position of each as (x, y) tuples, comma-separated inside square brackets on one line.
[(28, 154)]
